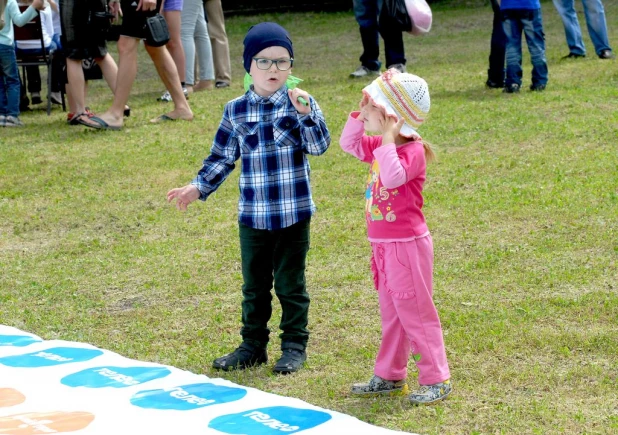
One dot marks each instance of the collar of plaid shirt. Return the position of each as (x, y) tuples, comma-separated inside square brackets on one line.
[(277, 99)]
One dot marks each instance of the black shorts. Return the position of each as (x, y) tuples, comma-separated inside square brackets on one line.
[(80, 40), (134, 21)]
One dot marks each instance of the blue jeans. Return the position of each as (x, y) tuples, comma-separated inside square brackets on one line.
[(367, 14), (530, 22), (9, 82), (595, 20)]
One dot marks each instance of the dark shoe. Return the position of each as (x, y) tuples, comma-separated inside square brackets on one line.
[(245, 356), (292, 358), (363, 71), (574, 56), (537, 88), (222, 84), (35, 98), (606, 54), (513, 88), (493, 85)]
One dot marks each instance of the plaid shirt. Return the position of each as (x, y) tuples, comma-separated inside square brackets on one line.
[(272, 140)]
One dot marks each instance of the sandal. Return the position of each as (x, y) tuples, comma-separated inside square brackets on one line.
[(71, 117), (76, 119)]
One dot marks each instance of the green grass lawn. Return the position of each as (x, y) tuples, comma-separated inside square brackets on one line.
[(522, 204)]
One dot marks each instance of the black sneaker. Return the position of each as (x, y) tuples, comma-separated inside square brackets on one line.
[(292, 358), (493, 85), (513, 88), (574, 56), (537, 88), (246, 355)]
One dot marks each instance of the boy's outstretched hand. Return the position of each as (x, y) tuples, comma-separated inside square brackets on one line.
[(184, 196), (300, 107)]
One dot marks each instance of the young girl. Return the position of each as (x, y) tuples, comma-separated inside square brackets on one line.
[(396, 104), (9, 75)]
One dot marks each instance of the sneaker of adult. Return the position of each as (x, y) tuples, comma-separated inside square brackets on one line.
[(35, 98), (378, 386), (246, 355), (2, 120), (363, 71), (399, 67), (292, 358), (513, 88), (428, 394), (573, 56), (493, 85), (606, 54), (13, 121), (221, 84), (537, 88), (55, 98), (166, 97)]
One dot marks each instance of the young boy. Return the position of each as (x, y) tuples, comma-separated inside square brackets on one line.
[(518, 16), (272, 133), (9, 75)]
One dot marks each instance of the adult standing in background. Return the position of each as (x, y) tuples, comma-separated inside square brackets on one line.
[(219, 43), (195, 38), (372, 25), (172, 10), (597, 28), (132, 31), (497, 51), (83, 37)]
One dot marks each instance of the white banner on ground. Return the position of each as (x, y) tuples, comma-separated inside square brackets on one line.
[(54, 386)]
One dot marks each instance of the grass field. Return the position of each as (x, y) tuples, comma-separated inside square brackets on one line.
[(522, 204)]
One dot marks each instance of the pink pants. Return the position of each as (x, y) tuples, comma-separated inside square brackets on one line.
[(403, 277)]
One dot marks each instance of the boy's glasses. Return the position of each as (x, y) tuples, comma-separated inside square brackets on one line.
[(282, 64)]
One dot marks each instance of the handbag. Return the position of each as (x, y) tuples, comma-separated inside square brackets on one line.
[(156, 30), (394, 13)]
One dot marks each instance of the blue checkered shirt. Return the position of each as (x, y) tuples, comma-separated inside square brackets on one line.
[(272, 140)]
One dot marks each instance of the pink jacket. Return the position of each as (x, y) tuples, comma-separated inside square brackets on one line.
[(394, 186)]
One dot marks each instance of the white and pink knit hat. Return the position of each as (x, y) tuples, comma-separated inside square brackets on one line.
[(401, 95)]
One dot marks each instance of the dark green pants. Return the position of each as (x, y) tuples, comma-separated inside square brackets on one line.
[(280, 256)]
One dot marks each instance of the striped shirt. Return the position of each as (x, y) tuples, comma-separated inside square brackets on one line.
[(272, 141)]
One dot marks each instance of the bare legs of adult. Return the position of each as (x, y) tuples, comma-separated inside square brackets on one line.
[(174, 46), (76, 89), (169, 75), (127, 71)]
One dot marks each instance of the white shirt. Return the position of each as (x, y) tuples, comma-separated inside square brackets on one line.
[(48, 30)]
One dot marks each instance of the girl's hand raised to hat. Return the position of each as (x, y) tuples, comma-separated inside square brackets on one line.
[(294, 94), (391, 129)]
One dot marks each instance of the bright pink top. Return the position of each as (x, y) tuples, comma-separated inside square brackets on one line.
[(394, 187)]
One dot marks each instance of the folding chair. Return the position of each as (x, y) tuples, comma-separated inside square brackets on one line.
[(32, 31)]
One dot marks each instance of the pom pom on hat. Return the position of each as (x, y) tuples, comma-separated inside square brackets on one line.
[(262, 36), (402, 95)]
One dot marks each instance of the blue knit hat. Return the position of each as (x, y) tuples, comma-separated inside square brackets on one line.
[(262, 36)]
